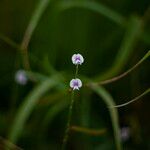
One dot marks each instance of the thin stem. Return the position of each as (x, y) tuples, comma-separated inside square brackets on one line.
[(76, 73), (10, 42), (133, 100), (28, 104), (93, 132), (25, 58), (131, 37), (7, 145), (123, 74), (19, 48), (65, 139), (113, 112), (95, 7), (37, 14)]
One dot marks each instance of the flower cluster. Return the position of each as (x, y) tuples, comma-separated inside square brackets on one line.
[(77, 59)]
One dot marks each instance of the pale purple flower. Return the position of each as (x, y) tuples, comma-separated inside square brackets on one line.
[(125, 133), (77, 59), (75, 84), (21, 77)]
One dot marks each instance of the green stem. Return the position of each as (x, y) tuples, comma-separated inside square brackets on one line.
[(65, 139), (113, 112), (133, 100), (66, 136), (37, 14), (76, 73), (125, 73), (95, 7), (88, 131), (10, 42), (7, 145), (28, 105), (131, 37)]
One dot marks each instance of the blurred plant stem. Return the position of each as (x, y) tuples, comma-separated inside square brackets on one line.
[(94, 6), (28, 104), (7, 145), (93, 132), (66, 135), (56, 107), (10, 42), (36, 16), (76, 73), (133, 100), (83, 107), (125, 73), (53, 111), (113, 112), (134, 29)]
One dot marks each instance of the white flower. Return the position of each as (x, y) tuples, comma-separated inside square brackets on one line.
[(75, 84), (21, 77), (77, 59)]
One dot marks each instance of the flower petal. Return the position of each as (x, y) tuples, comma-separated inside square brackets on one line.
[(75, 84), (77, 59), (79, 82)]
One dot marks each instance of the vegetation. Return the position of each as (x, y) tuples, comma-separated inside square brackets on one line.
[(37, 41)]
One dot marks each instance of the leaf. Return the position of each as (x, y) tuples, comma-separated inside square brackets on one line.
[(125, 73), (36, 16), (28, 105), (113, 112), (7, 145), (94, 6), (133, 100), (54, 110), (130, 39)]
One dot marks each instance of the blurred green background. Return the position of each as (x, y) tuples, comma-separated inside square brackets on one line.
[(40, 37)]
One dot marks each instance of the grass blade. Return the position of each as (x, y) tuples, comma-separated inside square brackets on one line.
[(133, 31), (27, 106), (88, 131), (113, 112), (125, 73), (41, 7), (38, 12), (57, 108), (10, 42), (96, 7), (133, 100)]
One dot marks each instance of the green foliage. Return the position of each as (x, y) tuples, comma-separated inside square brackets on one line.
[(40, 37), (28, 104)]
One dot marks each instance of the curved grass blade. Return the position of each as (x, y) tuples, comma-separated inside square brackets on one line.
[(93, 132), (28, 105), (113, 112), (7, 145), (134, 29), (96, 7), (125, 73), (53, 111), (10, 42), (133, 100), (38, 12)]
